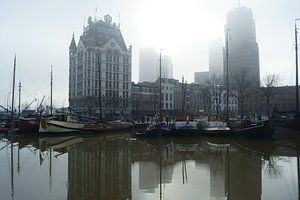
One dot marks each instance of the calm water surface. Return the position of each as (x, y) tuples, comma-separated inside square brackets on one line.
[(118, 166)]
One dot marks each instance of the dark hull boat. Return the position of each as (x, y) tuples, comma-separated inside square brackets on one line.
[(156, 130), (29, 125), (262, 129)]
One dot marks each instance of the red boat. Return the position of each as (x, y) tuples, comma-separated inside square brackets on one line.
[(29, 125)]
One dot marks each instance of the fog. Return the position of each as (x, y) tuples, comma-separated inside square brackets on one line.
[(39, 33)]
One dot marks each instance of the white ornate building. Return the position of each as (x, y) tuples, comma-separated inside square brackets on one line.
[(100, 71)]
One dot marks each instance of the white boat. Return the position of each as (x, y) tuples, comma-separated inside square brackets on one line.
[(61, 123), (185, 124), (66, 123), (215, 124)]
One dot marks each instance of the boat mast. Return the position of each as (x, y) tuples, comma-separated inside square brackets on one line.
[(13, 89), (227, 81), (100, 92), (51, 84), (20, 97), (182, 95), (160, 95), (296, 49)]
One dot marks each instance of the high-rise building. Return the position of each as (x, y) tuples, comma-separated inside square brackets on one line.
[(243, 50), (148, 59), (201, 77), (166, 67), (100, 71), (149, 64), (215, 57)]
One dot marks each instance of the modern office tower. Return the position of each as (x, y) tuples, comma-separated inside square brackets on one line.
[(215, 57), (100, 71), (149, 64), (243, 53), (201, 77)]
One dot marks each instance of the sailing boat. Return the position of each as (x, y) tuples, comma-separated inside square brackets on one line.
[(184, 123), (70, 122), (31, 124), (158, 127)]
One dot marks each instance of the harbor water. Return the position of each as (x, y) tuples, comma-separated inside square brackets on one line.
[(120, 166)]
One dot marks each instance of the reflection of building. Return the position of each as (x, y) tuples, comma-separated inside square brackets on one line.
[(224, 170), (162, 162), (101, 58), (100, 170), (148, 176), (243, 175), (242, 45)]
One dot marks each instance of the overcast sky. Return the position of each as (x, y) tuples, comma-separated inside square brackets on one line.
[(40, 31)]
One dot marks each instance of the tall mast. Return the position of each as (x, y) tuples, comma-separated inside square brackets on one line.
[(227, 81), (20, 97), (13, 89), (100, 92), (296, 49), (51, 84), (160, 82), (182, 95)]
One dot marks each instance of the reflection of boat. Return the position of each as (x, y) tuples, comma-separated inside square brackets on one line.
[(57, 143)]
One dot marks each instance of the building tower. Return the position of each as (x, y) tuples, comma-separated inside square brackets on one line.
[(149, 65), (242, 46), (215, 57), (100, 71)]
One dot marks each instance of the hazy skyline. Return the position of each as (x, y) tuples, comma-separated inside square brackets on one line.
[(39, 32)]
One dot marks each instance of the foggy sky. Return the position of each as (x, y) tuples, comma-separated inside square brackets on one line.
[(39, 32)]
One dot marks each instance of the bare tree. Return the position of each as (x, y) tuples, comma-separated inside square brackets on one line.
[(269, 82), (243, 84), (213, 92)]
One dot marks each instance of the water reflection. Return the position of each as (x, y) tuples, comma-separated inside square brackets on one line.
[(117, 166)]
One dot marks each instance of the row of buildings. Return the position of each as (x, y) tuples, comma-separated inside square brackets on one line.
[(100, 74)]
